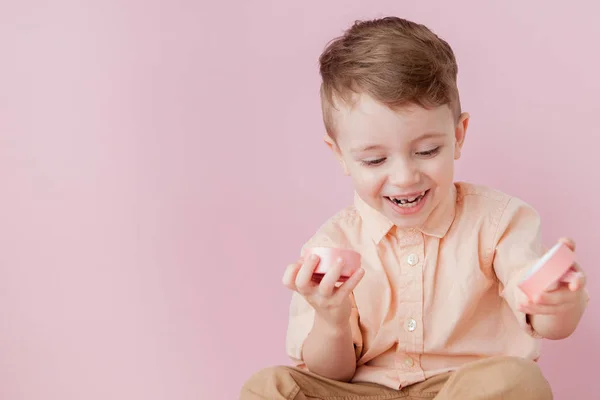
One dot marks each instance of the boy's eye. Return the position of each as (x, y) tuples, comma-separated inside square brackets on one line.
[(372, 162), (429, 152)]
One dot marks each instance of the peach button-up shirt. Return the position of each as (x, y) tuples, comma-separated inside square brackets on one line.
[(435, 297)]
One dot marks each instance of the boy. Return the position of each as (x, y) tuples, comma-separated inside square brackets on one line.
[(435, 311)]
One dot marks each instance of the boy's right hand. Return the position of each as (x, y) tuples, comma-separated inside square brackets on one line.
[(331, 302)]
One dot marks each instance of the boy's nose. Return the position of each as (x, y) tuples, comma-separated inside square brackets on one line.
[(405, 176)]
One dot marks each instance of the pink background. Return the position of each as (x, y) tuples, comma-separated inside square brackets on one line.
[(162, 161)]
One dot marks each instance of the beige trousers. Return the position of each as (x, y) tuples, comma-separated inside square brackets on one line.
[(490, 379)]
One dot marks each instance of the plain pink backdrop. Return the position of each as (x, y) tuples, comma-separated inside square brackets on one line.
[(162, 161)]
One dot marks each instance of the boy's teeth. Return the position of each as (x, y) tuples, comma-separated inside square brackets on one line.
[(402, 201)]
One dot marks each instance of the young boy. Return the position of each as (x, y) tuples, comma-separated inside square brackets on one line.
[(435, 311)]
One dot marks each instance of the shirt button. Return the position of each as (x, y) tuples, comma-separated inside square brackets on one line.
[(412, 259), (411, 325), (408, 362)]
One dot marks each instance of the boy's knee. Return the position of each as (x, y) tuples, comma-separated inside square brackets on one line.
[(498, 378), (271, 381), (522, 376)]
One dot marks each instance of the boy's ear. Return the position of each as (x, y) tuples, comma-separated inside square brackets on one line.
[(459, 134), (331, 143)]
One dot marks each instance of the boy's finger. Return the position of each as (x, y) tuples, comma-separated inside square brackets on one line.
[(577, 283), (327, 285), (542, 309), (304, 277), (348, 286), (575, 278), (569, 242), (553, 297), (289, 275)]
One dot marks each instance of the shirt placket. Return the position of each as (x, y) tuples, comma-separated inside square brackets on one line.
[(411, 254)]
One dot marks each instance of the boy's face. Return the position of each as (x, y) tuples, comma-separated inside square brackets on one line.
[(401, 162)]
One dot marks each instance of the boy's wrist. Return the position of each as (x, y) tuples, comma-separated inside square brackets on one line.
[(331, 329)]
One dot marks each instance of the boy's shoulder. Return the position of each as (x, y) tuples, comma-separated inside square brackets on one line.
[(492, 210), (473, 194), (477, 192), (342, 229)]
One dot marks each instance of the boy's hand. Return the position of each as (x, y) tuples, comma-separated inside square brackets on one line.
[(561, 299), (331, 302)]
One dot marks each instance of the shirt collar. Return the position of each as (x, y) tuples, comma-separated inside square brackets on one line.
[(437, 224)]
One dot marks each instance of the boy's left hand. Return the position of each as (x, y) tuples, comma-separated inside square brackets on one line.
[(562, 299)]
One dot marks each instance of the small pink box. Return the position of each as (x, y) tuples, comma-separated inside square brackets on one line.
[(554, 267), (328, 257)]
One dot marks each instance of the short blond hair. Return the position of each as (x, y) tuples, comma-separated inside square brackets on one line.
[(395, 61)]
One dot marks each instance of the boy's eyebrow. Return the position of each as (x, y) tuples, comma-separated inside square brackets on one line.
[(366, 148), (427, 135)]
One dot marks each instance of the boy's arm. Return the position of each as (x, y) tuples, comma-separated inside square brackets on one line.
[(517, 246), (328, 351)]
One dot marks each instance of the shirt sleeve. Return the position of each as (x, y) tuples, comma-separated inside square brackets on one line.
[(301, 317), (517, 246)]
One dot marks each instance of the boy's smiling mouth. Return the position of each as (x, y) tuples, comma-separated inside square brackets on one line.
[(409, 200), (408, 204)]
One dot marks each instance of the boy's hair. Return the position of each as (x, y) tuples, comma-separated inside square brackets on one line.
[(395, 61)]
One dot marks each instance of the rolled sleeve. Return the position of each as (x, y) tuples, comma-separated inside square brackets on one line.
[(517, 246), (300, 323)]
